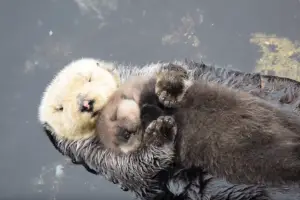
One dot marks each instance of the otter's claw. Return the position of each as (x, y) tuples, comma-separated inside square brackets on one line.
[(167, 121)]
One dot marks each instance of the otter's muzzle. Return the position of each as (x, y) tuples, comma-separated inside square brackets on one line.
[(85, 105)]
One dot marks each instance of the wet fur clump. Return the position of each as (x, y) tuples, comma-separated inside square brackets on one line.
[(91, 153)]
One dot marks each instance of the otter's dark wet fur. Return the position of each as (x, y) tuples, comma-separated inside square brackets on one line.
[(282, 91), (231, 134), (92, 155)]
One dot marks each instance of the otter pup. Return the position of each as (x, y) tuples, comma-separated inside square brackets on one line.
[(229, 133), (120, 127)]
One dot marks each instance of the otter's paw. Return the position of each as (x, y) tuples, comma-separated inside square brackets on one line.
[(171, 85), (164, 128), (167, 99)]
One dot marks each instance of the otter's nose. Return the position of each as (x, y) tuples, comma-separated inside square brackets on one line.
[(86, 105)]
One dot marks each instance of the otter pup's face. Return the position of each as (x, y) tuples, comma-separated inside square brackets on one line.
[(119, 126), (75, 97)]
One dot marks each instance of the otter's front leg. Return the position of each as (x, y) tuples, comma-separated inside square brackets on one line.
[(171, 85)]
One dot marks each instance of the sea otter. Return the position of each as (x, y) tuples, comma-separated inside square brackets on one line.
[(83, 148)]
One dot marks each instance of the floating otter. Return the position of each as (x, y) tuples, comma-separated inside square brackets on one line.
[(84, 149)]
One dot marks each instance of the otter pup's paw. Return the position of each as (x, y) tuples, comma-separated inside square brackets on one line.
[(171, 85), (166, 99), (164, 129)]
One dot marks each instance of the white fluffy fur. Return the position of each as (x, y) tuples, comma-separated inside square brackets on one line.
[(71, 81)]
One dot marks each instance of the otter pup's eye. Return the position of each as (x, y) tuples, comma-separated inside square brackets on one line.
[(123, 96), (123, 134), (59, 108), (126, 135)]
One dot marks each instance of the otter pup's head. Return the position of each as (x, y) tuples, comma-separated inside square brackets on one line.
[(119, 126), (123, 120)]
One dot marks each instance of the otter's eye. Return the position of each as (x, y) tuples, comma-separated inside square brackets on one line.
[(59, 108), (123, 96), (126, 135), (98, 64)]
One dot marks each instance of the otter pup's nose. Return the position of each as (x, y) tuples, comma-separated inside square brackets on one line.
[(86, 105)]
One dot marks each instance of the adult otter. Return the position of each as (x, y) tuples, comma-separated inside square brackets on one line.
[(99, 161)]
